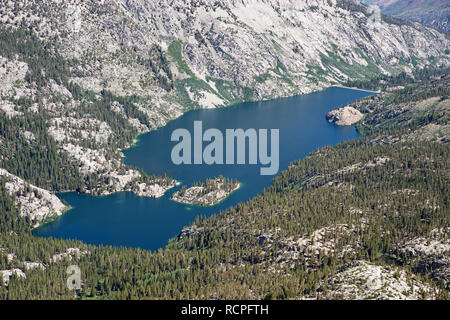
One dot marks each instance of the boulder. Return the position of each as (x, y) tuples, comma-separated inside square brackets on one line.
[(344, 116)]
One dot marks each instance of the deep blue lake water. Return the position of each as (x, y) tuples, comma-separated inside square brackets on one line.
[(123, 219)]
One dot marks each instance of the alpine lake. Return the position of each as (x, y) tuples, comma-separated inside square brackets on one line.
[(124, 219)]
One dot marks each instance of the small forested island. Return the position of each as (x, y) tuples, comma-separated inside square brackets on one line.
[(208, 193)]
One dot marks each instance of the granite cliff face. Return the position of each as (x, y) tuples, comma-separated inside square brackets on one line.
[(179, 54), (100, 72), (80, 79), (344, 116), (434, 13), (35, 203)]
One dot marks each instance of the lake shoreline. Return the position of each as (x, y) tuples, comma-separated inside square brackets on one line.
[(132, 221), (364, 90), (207, 194)]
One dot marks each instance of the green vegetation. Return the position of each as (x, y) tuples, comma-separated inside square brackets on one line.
[(40, 161), (195, 86), (280, 70), (382, 81), (159, 66), (355, 71), (174, 51), (195, 195), (43, 62), (359, 183), (398, 110), (352, 6), (299, 202), (37, 161), (225, 89), (212, 184), (385, 188), (192, 84), (10, 219), (262, 77)]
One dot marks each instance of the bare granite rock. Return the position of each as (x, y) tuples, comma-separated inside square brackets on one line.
[(251, 45), (151, 190), (211, 54), (345, 116), (208, 194), (363, 280), (5, 275), (36, 203)]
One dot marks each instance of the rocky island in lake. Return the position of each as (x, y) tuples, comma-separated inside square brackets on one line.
[(208, 193), (345, 116)]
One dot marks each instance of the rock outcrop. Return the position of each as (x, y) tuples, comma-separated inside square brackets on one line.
[(152, 190), (362, 280), (36, 203), (344, 116), (5, 275), (167, 57), (213, 53), (209, 193)]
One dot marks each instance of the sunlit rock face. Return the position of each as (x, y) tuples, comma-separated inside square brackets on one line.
[(344, 116), (220, 52), (434, 13)]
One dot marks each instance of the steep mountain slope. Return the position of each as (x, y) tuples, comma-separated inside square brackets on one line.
[(220, 52), (97, 73), (367, 219), (80, 79), (425, 105), (434, 13)]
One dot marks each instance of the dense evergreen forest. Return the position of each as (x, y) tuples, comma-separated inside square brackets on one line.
[(211, 184), (386, 188), (40, 161), (360, 183), (226, 259), (385, 81)]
